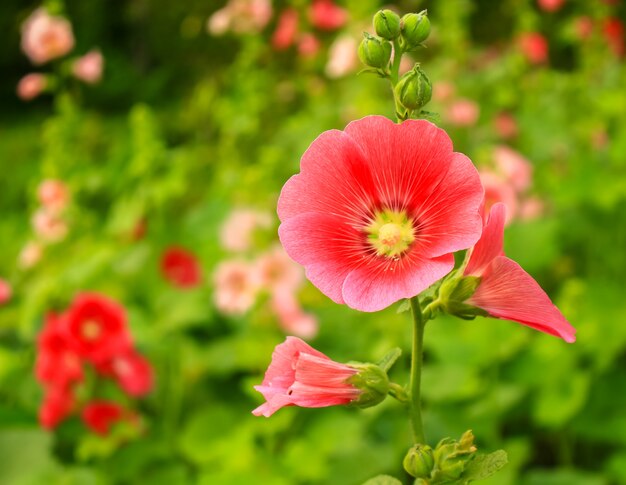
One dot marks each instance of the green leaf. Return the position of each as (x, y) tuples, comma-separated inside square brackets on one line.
[(383, 480), (390, 358), (483, 466), (405, 306)]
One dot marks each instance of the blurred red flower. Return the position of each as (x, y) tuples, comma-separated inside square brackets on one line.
[(132, 372), (299, 375), (5, 291), (505, 290), (181, 267), (96, 327), (325, 15), (613, 30), (534, 46), (58, 403), (550, 5), (286, 30), (378, 210), (99, 416)]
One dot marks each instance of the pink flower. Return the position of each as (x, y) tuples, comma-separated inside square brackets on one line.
[(287, 29), (534, 46), (292, 319), (219, 22), (378, 209), (276, 271), (463, 112), (325, 15), (241, 16), (46, 37), (181, 267), (299, 375), (550, 5), (342, 57), (308, 45), (236, 287), (505, 290), (5, 291), (505, 125), (532, 208), (132, 372), (53, 195), (584, 27), (30, 255), (236, 234), (88, 68), (517, 170), (49, 226), (31, 86), (498, 190), (443, 91)]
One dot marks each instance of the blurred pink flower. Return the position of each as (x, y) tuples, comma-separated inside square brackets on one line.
[(276, 271), (5, 291), (30, 255), (613, 31), (498, 190), (583, 27), (236, 233), (287, 29), (326, 15), (342, 57), (505, 290), (241, 16), (31, 86), (46, 37), (443, 91), (308, 45), (88, 68), (550, 5), (53, 195), (236, 287), (599, 138), (517, 170), (463, 112), (293, 320), (49, 226), (534, 46), (531, 208), (505, 125), (219, 22), (299, 375), (378, 209)]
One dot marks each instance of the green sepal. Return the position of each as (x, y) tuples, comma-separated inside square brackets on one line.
[(389, 359), (373, 383), (383, 480)]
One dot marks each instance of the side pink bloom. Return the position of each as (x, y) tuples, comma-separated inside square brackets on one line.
[(463, 112), (342, 57), (325, 15), (88, 68), (49, 226), (378, 209), (299, 375), (505, 290), (287, 29), (236, 233), (46, 37), (236, 287), (31, 86), (308, 45), (276, 271), (506, 125), (498, 190), (515, 167)]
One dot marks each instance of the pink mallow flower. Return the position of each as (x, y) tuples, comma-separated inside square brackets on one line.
[(236, 287), (53, 195), (299, 375), (276, 271), (498, 190), (378, 210), (325, 15), (505, 290), (286, 30), (308, 45), (49, 226), (292, 318), (505, 125), (463, 112), (550, 5), (31, 86), (30, 255), (88, 68), (534, 46), (46, 37), (5, 291), (241, 16), (517, 170), (236, 233)]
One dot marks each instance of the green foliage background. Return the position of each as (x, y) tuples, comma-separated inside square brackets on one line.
[(185, 126)]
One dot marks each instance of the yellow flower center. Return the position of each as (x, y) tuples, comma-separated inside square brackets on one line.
[(91, 330), (391, 233)]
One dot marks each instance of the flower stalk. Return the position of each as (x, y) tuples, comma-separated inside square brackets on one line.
[(415, 407)]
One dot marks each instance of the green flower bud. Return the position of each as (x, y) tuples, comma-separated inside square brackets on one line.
[(419, 461), (387, 24), (372, 381), (414, 89), (374, 52), (415, 28), (452, 456), (453, 294)]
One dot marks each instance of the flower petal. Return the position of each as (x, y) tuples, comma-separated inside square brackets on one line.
[(507, 291), (490, 244)]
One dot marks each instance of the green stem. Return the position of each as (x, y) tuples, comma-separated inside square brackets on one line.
[(415, 409)]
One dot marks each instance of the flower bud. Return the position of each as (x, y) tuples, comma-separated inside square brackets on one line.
[(414, 89), (453, 293), (415, 28), (419, 461), (373, 383), (387, 24), (374, 52)]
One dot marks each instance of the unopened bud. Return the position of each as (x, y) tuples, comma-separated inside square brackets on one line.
[(414, 89), (387, 24), (419, 461), (374, 51), (453, 294), (415, 29), (373, 383)]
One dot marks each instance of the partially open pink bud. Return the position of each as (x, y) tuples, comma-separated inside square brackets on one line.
[(31, 86), (88, 68), (299, 375), (46, 37)]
